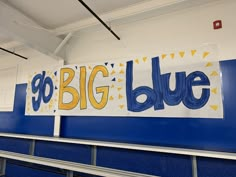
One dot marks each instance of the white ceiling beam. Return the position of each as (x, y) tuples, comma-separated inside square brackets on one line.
[(139, 8), (145, 7), (63, 43), (18, 27)]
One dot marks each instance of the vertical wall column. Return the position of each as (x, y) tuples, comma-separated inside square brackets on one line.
[(32, 147), (94, 155), (57, 126), (2, 166), (69, 174), (194, 166), (57, 118)]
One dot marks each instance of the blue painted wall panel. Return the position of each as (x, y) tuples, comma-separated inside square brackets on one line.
[(14, 145), (210, 134), (216, 167), (17, 122), (160, 164), (64, 151), (19, 171)]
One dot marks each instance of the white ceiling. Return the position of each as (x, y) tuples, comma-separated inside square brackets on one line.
[(4, 38), (66, 16), (56, 13)]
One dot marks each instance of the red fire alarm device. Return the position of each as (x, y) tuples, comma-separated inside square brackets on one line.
[(217, 24)]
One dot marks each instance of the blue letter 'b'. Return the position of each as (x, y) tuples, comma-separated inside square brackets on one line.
[(132, 95)]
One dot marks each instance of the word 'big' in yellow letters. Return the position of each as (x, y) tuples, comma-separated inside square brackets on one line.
[(76, 96)]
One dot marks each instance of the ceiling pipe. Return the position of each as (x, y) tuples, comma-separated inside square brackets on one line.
[(13, 53), (99, 19)]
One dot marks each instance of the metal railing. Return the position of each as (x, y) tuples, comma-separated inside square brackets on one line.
[(70, 166), (193, 153)]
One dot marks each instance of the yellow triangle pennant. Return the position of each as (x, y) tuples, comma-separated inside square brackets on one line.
[(136, 61), (122, 71), (205, 54), (112, 86), (121, 64), (120, 80), (214, 107), (172, 55), (181, 53), (120, 96), (50, 106), (209, 64), (51, 101), (163, 56), (214, 73), (113, 72), (90, 67), (111, 98), (121, 106), (144, 59), (214, 90), (119, 88), (193, 52)]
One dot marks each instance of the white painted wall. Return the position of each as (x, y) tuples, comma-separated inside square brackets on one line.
[(187, 28), (36, 62), (7, 88)]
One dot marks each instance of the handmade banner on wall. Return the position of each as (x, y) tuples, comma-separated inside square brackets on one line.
[(177, 84)]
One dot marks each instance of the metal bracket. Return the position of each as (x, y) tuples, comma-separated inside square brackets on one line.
[(32, 147), (69, 174), (194, 166), (2, 166), (94, 156)]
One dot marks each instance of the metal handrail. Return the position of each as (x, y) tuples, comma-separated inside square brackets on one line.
[(170, 150), (71, 166)]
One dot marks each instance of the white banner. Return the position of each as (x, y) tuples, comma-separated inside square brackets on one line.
[(177, 84)]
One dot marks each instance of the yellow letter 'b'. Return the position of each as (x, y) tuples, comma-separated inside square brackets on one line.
[(65, 88)]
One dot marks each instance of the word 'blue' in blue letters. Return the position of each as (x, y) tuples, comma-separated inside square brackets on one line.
[(161, 91)]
